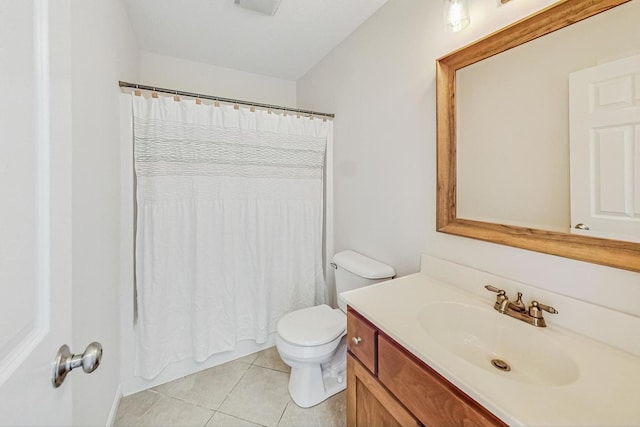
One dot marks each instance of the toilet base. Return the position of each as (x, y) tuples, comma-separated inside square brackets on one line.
[(312, 384)]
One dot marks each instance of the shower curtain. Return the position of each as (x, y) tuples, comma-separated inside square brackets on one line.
[(229, 226)]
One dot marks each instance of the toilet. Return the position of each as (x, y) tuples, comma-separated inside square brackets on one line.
[(312, 340)]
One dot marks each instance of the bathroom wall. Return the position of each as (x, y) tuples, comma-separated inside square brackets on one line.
[(180, 74), (103, 50), (380, 83)]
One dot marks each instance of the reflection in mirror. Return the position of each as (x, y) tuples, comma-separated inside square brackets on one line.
[(513, 134), (503, 154), (604, 101)]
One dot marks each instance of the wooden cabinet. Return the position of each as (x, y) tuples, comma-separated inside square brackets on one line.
[(391, 387), (369, 403)]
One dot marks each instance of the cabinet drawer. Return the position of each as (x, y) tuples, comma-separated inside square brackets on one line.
[(361, 339), (430, 397)]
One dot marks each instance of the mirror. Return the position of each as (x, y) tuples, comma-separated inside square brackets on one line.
[(461, 216)]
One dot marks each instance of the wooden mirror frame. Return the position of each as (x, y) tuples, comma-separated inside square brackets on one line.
[(613, 253)]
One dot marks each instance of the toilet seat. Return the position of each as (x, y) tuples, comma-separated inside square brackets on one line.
[(312, 326)]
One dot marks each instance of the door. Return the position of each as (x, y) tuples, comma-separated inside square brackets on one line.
[(605, 150), (35, 209)]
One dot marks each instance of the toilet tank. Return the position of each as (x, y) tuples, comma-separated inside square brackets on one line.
[(354, 270)]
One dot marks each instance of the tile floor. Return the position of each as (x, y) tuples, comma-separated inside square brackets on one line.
[(250, 391)]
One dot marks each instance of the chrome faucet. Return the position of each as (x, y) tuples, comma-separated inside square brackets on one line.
[(518, 310)]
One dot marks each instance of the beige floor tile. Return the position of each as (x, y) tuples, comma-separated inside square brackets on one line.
[(260, 396), (330, 413), (168, 411), (251, 395), (137, 404), (207, 388), (220, 419), (127, 420), (270, 358)]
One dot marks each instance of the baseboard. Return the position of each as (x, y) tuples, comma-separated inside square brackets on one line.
[(114, 407)]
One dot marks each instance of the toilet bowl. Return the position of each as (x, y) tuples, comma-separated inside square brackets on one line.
[(312, 340)]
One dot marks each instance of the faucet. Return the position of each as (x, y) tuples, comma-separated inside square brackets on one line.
[(502, 301), (518, 310), (518, 305)]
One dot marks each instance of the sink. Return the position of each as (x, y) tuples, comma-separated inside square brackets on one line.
[(498, 343)]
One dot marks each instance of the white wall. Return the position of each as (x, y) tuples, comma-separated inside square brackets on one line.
[(380, 83), (104, 51), (180, 74)]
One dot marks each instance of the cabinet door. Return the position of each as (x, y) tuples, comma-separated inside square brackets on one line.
[(369, 404)]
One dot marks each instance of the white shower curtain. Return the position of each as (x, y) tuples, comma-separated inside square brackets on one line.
[(229, 226)]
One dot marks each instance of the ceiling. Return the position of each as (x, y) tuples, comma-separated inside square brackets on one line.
[(219, 32)]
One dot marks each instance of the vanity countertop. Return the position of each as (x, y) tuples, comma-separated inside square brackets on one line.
[(606, 391)]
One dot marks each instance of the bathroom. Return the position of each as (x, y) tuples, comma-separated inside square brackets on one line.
[(380, 84)]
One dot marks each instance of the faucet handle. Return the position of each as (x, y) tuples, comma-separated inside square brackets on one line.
[(535, 309), (501, 299), (494, 289)]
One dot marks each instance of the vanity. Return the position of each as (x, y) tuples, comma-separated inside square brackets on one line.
[(421, 352), (389, 386)]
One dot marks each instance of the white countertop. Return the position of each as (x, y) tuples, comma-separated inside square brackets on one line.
[(606, 392)]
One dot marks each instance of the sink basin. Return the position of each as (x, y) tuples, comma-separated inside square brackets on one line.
[(519, 351)]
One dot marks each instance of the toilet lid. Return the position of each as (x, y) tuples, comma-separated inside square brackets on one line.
[(312, 326)]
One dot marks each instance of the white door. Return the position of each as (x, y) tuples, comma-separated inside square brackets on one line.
[(35, 210), (605, 150)]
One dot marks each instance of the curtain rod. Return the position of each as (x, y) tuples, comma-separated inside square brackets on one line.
[(218, 98)]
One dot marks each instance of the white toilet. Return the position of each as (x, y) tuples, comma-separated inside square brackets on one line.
[(312, 341)]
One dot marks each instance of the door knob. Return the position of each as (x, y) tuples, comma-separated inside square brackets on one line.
[(65, 361), (581, 226)]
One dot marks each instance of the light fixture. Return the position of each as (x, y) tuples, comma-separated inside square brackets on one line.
[(456, 15), (265, 7)]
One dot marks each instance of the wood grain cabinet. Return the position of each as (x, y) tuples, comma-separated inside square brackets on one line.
[(388, 386)]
